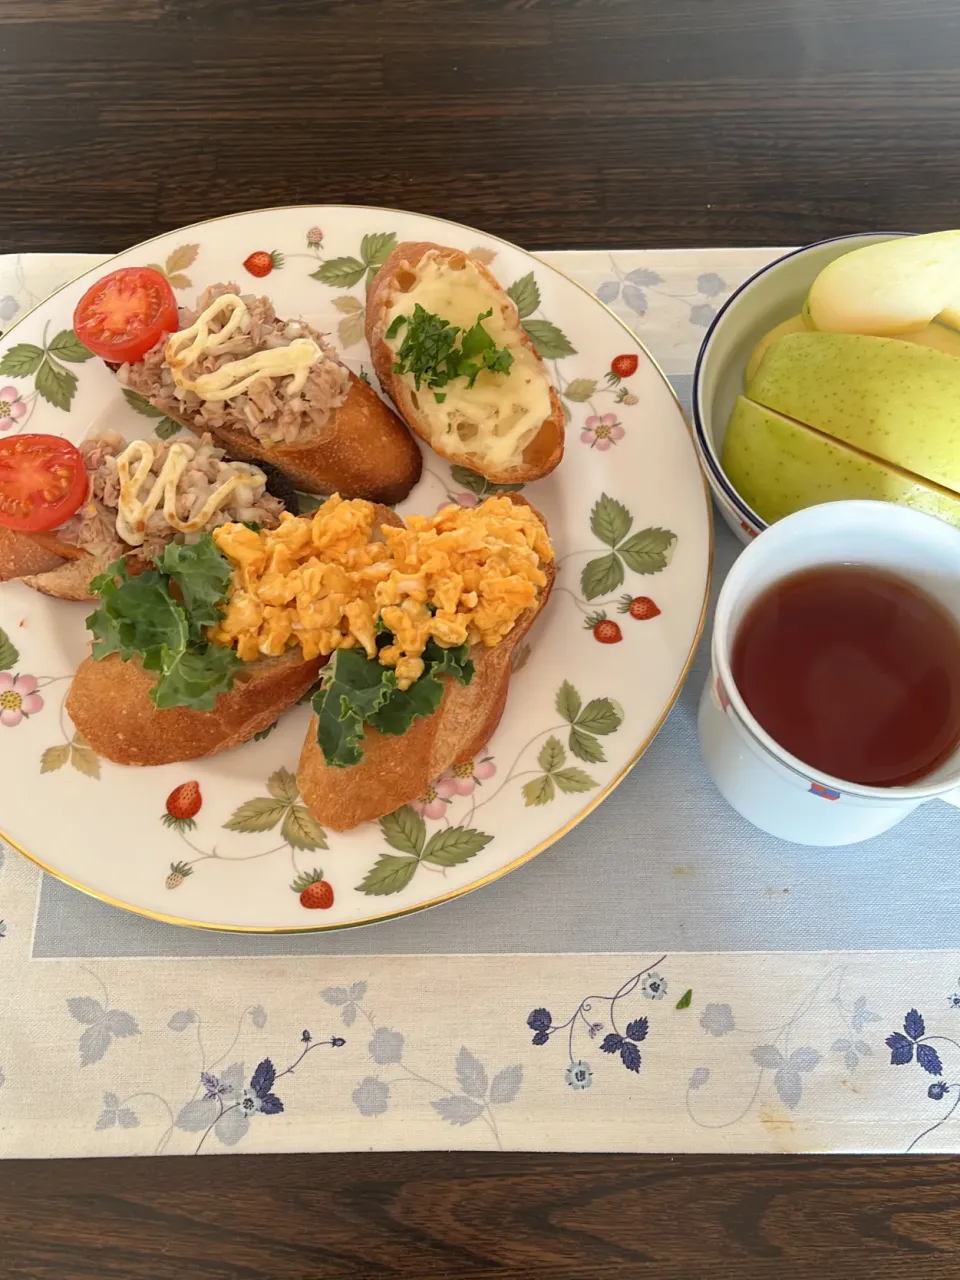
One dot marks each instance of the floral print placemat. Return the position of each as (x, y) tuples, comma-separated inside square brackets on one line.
[(145, 1049)]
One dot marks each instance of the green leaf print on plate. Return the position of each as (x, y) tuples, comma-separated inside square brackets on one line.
[(51, 380), (525, 294), (580, 389), (480, 485), (551, 342), (177, 261), (9, 654), (556, 774), (599, 717), (406, 831), (345, 272), (164, 428), (648, 551), (298, 828)]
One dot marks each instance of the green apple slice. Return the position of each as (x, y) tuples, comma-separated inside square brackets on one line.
[(895, 400), (795, 324), (890, 287), (779, 466)]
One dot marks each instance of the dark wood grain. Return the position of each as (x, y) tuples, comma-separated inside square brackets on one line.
[(456, 1217), (552, 122)]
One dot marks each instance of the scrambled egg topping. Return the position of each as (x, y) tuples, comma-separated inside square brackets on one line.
[(462, 576)]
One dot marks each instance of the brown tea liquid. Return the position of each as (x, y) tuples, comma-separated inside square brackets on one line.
[(854, 671)]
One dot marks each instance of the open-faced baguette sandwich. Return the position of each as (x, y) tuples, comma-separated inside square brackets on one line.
[(162, 684), (421, 629), (270, 390), (449, 349), (66, 513)]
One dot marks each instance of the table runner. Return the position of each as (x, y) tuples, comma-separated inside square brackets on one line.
[(719, 991)]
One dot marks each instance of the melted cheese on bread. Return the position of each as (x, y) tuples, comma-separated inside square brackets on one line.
[(499, 415)]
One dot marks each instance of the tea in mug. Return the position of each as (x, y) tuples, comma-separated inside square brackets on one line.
[(855, 671)]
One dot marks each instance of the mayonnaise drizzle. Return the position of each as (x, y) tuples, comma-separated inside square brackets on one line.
[(133, 514), (236, 376)]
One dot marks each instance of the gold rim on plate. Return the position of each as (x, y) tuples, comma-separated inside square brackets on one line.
[(162, 917)]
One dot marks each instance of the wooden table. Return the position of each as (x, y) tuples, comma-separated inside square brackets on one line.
[(556, 123)]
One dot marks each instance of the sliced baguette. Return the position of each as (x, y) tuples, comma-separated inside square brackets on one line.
[(394, 771), (366, 451), (55, 568), (109, 704), (397, 275)]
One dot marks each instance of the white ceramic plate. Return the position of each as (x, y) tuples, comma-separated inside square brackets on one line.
[(629, 518)]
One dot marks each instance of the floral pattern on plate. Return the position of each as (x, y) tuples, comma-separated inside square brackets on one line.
[(617, 515)]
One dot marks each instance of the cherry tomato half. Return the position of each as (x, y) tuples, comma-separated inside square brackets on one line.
[(42, 482), (121, 316)]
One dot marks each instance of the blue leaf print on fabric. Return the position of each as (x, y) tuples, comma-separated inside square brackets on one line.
[(702, 314), (717, 1020), (261, 1082), (637, 1030), (644, 276), (506, 1085), (471, 1074), (102, 1026), (710, 284), (861, 1016), (901, 1049), (232, 1126), (115, 1114), (929, 1059), (609, 291), (630, 1056), (386, 1047), (457, 1110), (635, 299), (371, 1097), (914, 1025), (611, 1043)]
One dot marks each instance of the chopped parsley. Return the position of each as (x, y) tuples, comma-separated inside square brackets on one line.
[(437, 352)]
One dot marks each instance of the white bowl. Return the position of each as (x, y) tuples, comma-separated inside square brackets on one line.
[(774, 294)]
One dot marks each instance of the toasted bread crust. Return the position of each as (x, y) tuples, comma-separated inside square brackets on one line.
[(109, 704), (20, 555), (544, 451), (32, 559), (395, 771), (366, 451)]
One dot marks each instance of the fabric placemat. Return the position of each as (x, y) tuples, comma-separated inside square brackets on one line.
[(720, 991)]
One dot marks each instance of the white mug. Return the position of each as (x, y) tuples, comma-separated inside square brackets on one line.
[(766, 784)]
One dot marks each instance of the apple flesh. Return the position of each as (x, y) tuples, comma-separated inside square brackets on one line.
[(894, 400), (890, 287), (779, 466)]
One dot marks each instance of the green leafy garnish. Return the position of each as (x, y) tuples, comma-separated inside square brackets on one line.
[(437, 352), (356, 690), (140, 617)]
